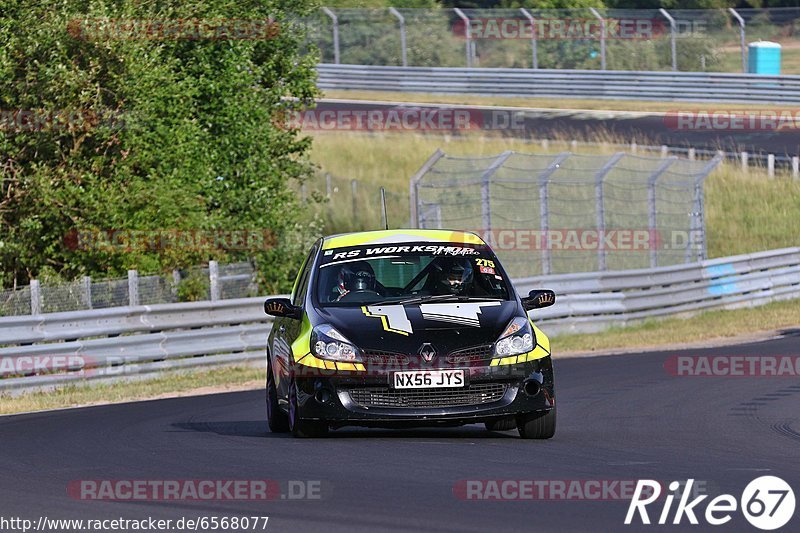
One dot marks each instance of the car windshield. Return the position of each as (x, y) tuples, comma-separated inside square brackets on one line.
[(409, 273)]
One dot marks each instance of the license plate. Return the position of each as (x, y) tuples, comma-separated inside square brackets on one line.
[(428, 379)]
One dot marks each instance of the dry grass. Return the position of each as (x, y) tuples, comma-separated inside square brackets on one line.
[(709, 326), (167, 384)]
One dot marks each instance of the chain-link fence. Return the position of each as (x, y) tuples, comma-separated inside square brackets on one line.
[(561, 213), (346, 204), (614, 39), (213, 282)]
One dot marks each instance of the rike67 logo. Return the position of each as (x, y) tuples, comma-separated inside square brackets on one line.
[(767, 502)]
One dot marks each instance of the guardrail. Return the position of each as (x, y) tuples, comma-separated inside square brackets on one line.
[(556, 83), (143, 340)]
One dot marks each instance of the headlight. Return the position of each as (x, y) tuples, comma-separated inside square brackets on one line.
[(327, 343), (516, 339)]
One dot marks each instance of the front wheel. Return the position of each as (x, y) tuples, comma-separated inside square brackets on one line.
[(299, 427), (537, 425), (276, 418)]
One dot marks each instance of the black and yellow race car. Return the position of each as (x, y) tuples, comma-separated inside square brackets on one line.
[(406, 328)]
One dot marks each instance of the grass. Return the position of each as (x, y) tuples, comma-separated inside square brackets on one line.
[(711, 325), (550, 103), (104, 393), (745, 212)]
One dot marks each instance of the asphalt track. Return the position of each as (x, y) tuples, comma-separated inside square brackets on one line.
[(651, 128), (621, 417)]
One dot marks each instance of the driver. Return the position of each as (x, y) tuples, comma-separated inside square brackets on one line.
[(457, 279), (357, 276)]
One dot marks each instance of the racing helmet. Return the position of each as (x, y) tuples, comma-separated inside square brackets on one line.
[(457, 278), (357, 276)]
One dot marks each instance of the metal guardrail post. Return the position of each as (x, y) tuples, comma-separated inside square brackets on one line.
[(133, 288), (36, 297), (600, 207), (602, 37), (672, 31), (544, 208), (414, 186), (213, 281), (741, 22), (534, 43), (486, 199), (335, 21), (651, 207), (402, 20), (87, 291), (467, 34)]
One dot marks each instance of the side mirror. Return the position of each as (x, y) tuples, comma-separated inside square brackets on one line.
[(282, 307), (539, 298)]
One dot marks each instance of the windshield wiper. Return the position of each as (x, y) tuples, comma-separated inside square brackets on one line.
[(446, 297)]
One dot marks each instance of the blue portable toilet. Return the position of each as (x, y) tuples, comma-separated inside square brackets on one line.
[(764, 57)]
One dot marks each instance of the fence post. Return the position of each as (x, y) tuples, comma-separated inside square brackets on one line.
[(771, 165), (602, 37), (303, 192), (652, 211), (133, 288), (87, 291), (745, 163), (353, 193), (600, 207), (795, 167), (534, 51), (413, 196), (486, 199), (328, 185), (634, 147), (740, 20), (176, 282), (402, 20), (698, 221), (664, 150), (544, 209), (335, 21), (672, 30), (467, 34), (36, 297), (213, 280), (692, 154)]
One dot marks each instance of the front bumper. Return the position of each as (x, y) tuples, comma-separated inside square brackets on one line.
[(339, 399)]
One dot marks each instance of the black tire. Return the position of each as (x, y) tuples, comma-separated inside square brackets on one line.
[(537, 425), (278, 420), (504, 424), (302, 428)]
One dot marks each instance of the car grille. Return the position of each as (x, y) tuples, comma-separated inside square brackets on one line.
[(379, 357), (476, 394), (471, 355)]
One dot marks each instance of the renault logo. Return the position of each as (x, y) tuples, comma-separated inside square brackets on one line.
[(427, 351)]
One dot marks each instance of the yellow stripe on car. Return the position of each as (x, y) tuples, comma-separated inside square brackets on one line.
[(400, 235)]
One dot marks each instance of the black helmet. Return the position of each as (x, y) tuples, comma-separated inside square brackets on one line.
[(357, 276), (458, 277)]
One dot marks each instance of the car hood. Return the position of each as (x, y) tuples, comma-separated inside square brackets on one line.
[(405, 329)]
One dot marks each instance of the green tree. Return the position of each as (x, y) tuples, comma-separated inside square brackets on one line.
[(167, 133)]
